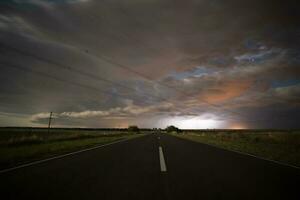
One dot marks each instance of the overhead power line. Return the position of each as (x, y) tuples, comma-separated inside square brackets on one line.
[(80, 72), (137, 23), (27, 70), (95, 77), (24, 69)]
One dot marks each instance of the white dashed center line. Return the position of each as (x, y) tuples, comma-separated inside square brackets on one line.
[(163, 167)]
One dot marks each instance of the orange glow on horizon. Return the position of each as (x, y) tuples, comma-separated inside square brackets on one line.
[(238, 126)]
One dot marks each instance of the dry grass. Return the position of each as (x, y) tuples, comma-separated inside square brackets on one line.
[(283, 146), (18, 146)]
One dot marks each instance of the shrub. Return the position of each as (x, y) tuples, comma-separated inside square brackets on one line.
[(170, 129), (134, 129)]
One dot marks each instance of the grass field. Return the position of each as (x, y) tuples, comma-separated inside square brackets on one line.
[(22, 145), (283, 146)]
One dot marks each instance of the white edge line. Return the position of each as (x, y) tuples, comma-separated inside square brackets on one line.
[(61, 156), (248, 154), (163, 167), (261, 158)]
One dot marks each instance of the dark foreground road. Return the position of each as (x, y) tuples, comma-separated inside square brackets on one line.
[(132, 170)]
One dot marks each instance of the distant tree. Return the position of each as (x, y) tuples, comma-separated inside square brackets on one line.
[(172, 128), (134, 129)]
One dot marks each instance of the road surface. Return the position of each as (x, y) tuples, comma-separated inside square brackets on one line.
[(153, 167)]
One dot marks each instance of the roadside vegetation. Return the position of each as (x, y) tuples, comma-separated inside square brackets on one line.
[(22, 145), (282, 146), (173, 129)]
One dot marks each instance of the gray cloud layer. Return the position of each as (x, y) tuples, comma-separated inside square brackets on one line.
[(90, 62)]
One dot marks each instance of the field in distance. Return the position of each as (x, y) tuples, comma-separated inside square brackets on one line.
[(23, 145)]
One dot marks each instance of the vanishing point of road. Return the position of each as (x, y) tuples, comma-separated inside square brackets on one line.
[(153, 167)]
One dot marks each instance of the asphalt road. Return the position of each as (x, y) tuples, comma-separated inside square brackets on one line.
[(139, 169)]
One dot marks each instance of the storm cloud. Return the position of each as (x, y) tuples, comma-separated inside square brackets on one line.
[(113, 63)]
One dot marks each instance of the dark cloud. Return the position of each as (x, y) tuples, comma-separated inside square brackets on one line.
[(149, 61)]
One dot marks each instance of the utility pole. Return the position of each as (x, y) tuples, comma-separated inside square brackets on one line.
[(49, 125)]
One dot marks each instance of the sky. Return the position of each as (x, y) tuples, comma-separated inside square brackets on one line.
[(195, 64)]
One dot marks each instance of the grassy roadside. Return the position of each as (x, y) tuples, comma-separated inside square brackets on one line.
[(280, 146), (34, 148)]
